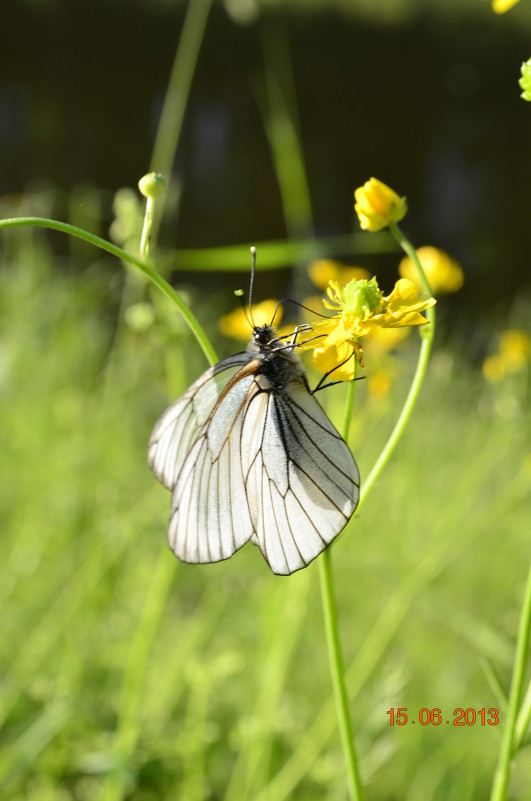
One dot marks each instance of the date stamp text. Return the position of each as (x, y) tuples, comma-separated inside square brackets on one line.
[(435, 717)]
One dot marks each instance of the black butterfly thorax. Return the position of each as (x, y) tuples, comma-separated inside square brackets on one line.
[(278, 363)]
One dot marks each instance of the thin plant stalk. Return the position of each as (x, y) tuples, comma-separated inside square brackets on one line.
[(500, 785), (524, 716), (176, 98), (337, 668), (427, 334), (146, 229), (329, 604)]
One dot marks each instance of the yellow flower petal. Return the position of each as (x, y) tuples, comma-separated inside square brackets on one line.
[(377, 205), (335, 351), (404, 293), (404, 305), (443, 273)]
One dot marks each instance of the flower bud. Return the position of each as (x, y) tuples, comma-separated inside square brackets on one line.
[(362, 297), (152, 185), (377, 205)]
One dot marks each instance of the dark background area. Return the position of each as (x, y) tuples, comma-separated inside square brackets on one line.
[(427, 101)]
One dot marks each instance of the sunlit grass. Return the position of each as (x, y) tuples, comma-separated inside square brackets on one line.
[(128, 675)]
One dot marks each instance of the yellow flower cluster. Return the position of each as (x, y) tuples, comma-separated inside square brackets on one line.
[(360, 308), (361, 311)]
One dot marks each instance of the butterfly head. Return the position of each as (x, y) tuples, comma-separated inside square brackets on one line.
[(263, 336)]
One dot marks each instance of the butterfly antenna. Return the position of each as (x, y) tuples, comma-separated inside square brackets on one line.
[(277, 307), (302, 306), (306, 326), (251, 283)]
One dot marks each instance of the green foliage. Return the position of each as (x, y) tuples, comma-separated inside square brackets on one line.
[(128, 675)]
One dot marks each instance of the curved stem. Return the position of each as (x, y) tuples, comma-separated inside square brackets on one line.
[(503, 770), (408, 248), (188, 316), (401, 423), (427, 333)]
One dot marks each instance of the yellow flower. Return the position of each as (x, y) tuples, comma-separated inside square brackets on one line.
[(443, 273), (377, 205), (501, 6), (513, 354), (515, 348), (361, 307), (235, 324), (323, 271)]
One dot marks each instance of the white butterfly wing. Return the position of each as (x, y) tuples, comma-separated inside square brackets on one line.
[(210, 517), (301, 480), (247, 460), (178, 427)]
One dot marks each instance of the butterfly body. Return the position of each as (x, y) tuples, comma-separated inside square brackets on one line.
[(249, 454)]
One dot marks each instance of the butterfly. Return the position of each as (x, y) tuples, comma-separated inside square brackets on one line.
[(249, 454)]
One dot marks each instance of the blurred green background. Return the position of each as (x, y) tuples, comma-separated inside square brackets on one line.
[(124, 674)]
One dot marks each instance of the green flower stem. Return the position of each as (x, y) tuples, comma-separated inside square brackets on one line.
[(337, 668), (524, 717), (176, 98), (500, 785), (149, 272), (410, 251), (401, 423), (146, 229), (427, 334), (349, 405), (327, 589), (152, 186)]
